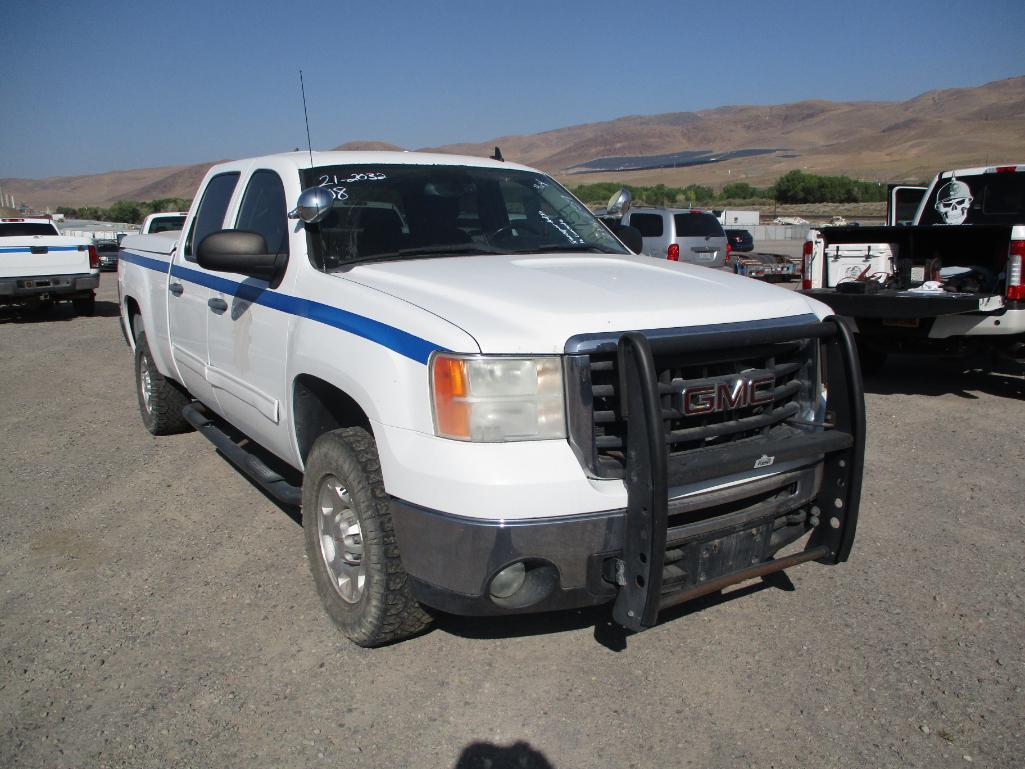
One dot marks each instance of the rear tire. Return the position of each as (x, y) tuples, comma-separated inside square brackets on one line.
[(350, 542), (160, 402)]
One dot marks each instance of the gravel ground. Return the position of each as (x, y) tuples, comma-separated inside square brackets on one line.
[(156, 610)]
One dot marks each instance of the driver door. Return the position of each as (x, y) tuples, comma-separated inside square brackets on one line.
[(187, 298), (248, 339)]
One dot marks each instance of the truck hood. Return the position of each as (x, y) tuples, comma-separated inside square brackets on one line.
[(535, 303)]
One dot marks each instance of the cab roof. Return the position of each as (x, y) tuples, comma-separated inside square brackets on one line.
[(1002, 168), (301, 160)]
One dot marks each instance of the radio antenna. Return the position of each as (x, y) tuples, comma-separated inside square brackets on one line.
[(309, 144)]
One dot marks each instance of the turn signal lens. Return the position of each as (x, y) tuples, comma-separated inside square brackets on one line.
[(451, 410), (497, 399), (806, 252), (1015, 272)]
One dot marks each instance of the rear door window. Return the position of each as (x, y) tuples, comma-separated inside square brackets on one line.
[(650, 225), (264, 210), (994, 198), (26, 229), (212, 208), (698, 225)]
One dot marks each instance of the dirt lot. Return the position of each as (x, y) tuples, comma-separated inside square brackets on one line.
[(156, 610)]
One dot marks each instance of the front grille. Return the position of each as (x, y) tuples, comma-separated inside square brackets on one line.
[(785, 400)]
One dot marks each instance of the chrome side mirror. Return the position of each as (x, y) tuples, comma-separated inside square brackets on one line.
[(313, 206), (619, 203)]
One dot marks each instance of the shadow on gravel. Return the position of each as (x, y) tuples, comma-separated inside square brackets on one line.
[(908, 375), (107, 309), (293, 512), (606, 632), (62, 311), (488, 755)]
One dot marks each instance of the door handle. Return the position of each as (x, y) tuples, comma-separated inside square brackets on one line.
[(176, 288), (217, 304)]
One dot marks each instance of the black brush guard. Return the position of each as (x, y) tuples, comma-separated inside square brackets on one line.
[(649, 468)]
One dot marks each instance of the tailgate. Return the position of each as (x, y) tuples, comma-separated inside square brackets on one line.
[(22, 260), (904, 305), (700, 250)]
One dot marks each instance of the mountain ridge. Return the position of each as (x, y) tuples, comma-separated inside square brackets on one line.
[(882, 140)]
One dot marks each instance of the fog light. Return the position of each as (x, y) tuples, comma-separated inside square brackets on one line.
[(508, 580)]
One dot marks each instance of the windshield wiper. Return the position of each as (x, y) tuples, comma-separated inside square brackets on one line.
[(450, 249), (555, 247)]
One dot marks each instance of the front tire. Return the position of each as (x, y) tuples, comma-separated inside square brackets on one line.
[(160, 402), (350, 542)]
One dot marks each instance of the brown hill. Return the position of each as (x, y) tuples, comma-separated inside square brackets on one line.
[(871, 140), (875, 140), (369, 146), (104, 189)]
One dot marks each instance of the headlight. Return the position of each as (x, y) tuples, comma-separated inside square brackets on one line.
[(497, 399)]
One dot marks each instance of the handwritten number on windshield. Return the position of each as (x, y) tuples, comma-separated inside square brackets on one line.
[(328, 180)]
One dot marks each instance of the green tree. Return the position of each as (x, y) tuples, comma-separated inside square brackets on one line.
[(124, 211)]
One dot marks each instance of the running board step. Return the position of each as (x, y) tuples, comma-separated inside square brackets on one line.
[(243, 459)]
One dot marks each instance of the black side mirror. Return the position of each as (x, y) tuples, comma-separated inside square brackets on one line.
[(630, 236), (238, 251)]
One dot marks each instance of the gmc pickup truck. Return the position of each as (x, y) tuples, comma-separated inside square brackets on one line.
[(485, 402), (950, 284), (39, 266)]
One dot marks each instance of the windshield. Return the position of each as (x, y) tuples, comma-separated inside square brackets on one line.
[(26, 229), (994, 198), (410, 211)]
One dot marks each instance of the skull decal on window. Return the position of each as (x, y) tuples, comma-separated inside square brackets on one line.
[(953, 201)]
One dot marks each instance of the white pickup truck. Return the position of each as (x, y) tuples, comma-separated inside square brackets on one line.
[(483, 401), (951, 283), (39, 266), (166, 221)]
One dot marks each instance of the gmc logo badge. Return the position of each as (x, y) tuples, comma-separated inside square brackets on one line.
[(710, 397)]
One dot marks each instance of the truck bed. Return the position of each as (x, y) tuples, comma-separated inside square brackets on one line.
[(980, 245)]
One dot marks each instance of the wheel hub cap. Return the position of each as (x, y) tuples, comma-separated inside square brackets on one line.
[(341, 539), (146, 385)]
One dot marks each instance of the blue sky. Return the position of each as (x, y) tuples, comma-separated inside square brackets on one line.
[(90, 87)]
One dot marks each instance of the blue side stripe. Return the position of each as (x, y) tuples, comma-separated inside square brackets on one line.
[(256, 291), (144, 261), (28, 250)]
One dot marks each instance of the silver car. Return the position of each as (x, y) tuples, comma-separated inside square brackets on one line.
[(680, 234)]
